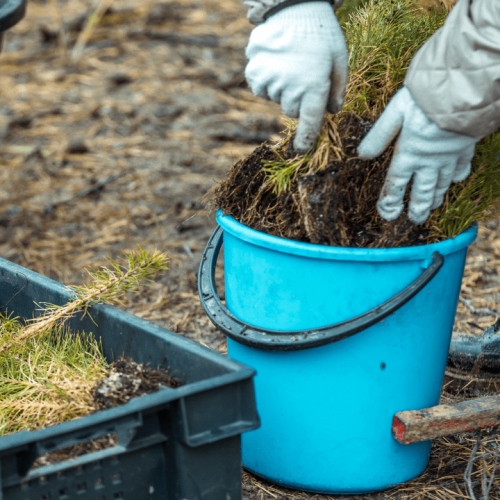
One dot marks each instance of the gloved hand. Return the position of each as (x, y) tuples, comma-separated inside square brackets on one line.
[(298, 58), (433, 157)]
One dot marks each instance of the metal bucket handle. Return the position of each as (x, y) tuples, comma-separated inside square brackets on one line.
[(276, 340)]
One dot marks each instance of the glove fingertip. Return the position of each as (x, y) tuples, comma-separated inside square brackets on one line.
[(334, 106), (419, 217), (462, 174), (387, 212), (437, 202), (366, 150), (302, 144)]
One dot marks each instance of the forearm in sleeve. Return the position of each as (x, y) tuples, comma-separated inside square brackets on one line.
[(455, 76)]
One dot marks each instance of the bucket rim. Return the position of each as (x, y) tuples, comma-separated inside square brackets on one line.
[(325, 252)]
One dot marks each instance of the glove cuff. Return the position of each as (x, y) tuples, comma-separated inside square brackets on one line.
[(288, 3)]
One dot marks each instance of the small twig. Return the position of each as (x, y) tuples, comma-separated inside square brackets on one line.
[(86, 33), (190, 254), (486, 455), (184, 221), (264, 489), (178, 38), (468, 303)]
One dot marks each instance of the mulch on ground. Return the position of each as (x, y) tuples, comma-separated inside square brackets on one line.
[(115, 144)]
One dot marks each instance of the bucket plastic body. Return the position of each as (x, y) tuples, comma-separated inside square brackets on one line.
[(326, 412)]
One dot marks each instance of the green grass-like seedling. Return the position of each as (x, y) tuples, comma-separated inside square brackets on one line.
[(49, 379), (474, 199), (281, 173), (107, 284), (48, 374), (382, 38)]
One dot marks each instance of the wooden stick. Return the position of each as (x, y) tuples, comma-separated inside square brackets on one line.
[(86, 33), (444, 420)]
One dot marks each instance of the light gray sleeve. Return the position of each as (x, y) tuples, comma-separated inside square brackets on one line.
[(258, 8), (455, 76)]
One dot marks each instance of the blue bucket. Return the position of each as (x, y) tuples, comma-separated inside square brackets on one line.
[(327, 395)]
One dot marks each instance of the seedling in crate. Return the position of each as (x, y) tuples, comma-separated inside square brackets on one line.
[(107, 285), (158, 445), (48, 376)]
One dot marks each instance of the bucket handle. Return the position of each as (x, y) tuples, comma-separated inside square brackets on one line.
[(275, 340)]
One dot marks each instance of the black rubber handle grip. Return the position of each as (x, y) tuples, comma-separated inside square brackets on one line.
[(275, 340), (11, 12)]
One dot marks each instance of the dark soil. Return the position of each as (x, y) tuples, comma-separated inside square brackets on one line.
[(76, 451), (333, 206), (126, 380)]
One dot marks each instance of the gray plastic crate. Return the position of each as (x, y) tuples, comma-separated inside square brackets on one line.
[(181, 443)]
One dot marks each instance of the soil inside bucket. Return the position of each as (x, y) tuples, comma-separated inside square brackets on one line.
[(126, 380), (335, 205)]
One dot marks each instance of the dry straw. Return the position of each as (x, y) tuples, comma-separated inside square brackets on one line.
[(90, 25)]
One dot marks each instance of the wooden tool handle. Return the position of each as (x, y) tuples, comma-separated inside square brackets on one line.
[(444, 420)]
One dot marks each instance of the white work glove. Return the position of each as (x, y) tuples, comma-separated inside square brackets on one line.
[(298, 58), (433, 157)]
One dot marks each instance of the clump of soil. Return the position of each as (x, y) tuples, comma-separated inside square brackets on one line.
[(126, 380), (335, 205)]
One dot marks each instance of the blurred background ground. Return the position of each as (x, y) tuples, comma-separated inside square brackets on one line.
[(114, 143), (117, 147)]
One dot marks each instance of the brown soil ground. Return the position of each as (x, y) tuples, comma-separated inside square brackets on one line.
[(119, 148)]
